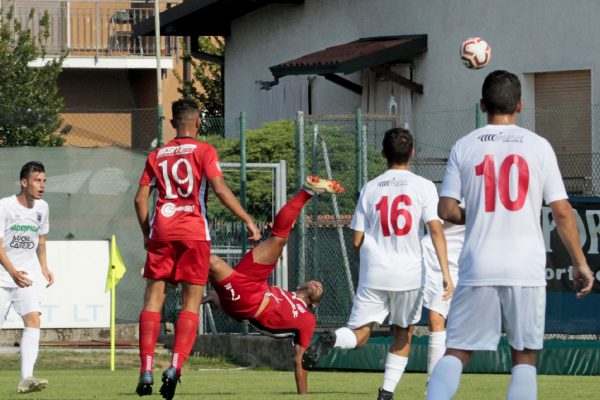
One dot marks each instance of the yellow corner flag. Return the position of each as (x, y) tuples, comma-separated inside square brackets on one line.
[(116, 268)]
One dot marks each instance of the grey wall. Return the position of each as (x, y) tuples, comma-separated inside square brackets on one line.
[(526, 37)]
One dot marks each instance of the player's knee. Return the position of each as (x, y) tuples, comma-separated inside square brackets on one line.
[(32, 320)]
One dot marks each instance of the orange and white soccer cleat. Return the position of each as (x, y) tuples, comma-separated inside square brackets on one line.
[(318, 185)]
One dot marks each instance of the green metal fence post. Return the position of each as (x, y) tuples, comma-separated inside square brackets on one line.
[(478, 116), (243, 181), (357, 150), (300, 177)]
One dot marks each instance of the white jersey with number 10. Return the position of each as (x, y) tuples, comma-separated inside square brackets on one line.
[(503, 172), (389, 212)]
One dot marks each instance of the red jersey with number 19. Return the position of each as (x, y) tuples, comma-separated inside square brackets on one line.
[(180, 171), (503, 172)]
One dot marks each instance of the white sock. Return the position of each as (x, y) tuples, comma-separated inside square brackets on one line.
[(394, 368), (445, 379), (437, 348), (523, 383), (345, 339), (30, 345)]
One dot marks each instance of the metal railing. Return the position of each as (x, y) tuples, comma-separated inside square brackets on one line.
[(94, 28)]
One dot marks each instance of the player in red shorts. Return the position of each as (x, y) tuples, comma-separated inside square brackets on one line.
[(244, 293), (177, 238)]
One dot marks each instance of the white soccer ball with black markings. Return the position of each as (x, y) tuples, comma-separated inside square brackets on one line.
[(475, 53)]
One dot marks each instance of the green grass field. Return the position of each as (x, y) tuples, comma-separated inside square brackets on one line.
[(85, 376)]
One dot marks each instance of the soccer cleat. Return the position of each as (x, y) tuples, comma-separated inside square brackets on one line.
[(31, 384), (318, 349), (383, 394), (144, 386), (170, 378), (318, 185)]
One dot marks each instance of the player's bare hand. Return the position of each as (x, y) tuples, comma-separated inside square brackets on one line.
[(49, 276), (448, 289), (253, 231), (146, 242), (21, 279), (583, 280)]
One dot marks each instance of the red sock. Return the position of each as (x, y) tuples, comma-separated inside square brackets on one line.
[(285, 218), (149, 329), (186, 330)]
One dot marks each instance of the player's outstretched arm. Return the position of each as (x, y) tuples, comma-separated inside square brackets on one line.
[(449, 210), (228, 199), (300, 373), (583, 279), (141, 210), (438, 239)]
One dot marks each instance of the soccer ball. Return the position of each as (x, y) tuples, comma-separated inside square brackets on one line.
[(475, 53)]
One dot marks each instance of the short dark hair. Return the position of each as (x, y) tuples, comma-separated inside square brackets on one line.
[(183, 108), (397, 145), (30, 168), (501, 92)]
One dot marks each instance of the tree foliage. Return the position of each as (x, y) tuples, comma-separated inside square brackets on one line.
[(29, 102), (274, 141), (205, 86)]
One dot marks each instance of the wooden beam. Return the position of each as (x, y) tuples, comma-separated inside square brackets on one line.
[(400, 80), (345, 83)]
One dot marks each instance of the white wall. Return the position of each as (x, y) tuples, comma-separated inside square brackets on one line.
[(526, 37)]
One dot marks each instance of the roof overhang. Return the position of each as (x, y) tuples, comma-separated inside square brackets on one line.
[(202, 17), (376, 53)]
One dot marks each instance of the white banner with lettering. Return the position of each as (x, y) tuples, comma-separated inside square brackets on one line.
[(77, 298)]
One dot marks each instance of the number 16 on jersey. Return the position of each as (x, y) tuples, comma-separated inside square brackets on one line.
[(390, 215)]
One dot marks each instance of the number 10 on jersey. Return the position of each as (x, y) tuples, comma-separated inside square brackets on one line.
[(487, 169), (390, 215)]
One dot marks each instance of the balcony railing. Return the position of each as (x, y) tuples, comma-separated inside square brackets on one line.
[(94, 29)]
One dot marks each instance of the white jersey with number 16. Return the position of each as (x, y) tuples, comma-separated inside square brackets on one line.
[(389, 212), (503, 172)]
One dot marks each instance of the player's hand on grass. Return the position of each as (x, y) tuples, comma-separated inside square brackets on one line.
[(448, 288), (49, 276), (583, 280), (21, 279), (253, 231)]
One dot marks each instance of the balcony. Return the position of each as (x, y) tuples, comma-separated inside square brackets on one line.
[(95, 29)]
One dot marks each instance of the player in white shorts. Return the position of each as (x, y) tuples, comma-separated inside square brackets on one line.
[(433, 294), (23, 229), (386, 232), (503, 172)]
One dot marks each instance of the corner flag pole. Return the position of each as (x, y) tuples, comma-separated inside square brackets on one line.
[(113, 307), (159, 105)]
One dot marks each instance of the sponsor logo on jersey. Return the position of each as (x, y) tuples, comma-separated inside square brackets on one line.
[(219, 166), (39, 218), (21, 242), (392, 182), (25, 228), (487, 137), (169, 209), (176, 150), (501, 137)]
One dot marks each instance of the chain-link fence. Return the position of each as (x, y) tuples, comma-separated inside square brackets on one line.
[(96, 184), (347, 147)]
